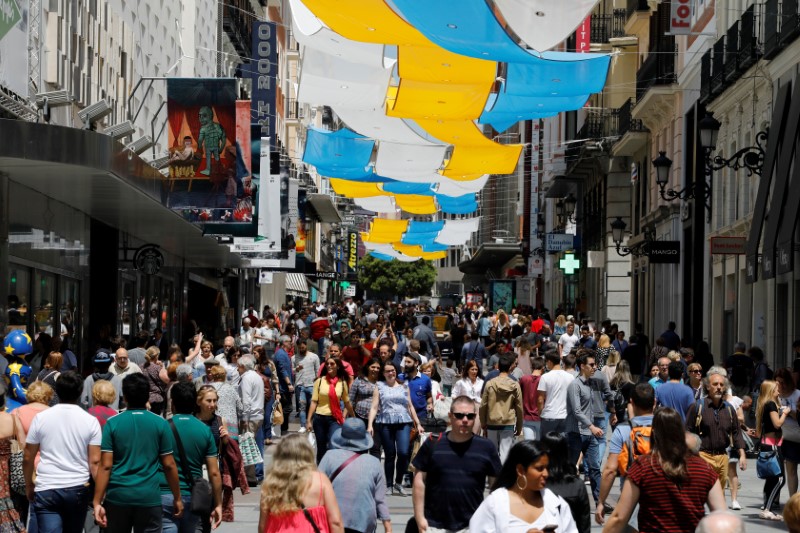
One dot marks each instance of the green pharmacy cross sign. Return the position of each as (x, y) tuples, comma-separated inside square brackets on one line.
[(9, 16), (569, 264)]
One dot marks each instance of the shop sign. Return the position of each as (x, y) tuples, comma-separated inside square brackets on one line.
[(559, 242), (728, 245), (664, 252), (680, 20)]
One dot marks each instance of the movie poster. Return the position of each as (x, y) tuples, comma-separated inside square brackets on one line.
[(208, 173)]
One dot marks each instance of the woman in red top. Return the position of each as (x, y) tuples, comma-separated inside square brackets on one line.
[(670, 484)]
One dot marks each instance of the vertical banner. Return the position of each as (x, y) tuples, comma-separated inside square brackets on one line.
[(680, 20), (535, 263), (289, 222), (14, 21), (501, 294), (264, 73), (269, 202), (352, 252), (203, 183), (583, 35)]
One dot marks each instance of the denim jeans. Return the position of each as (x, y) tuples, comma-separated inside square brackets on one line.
[(532, 430), (188, 523), (590, 446), (123, 518), (61, 509), (324, 426), (559, 425), (266, 428), (303, 394), (396, 441)]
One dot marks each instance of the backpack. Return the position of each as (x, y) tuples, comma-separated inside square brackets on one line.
[(638, 444), (619, 401)]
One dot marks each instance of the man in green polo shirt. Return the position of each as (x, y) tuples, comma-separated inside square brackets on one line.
[(199, 449), (127, 490)]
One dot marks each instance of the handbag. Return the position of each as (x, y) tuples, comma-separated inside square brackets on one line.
[(767, 464), (251, 455), (441, 409), (277, 414), (16, 473), (200, 489)]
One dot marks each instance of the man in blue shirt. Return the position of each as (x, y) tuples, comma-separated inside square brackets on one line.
[(283, 366), (474, 350), (663, 373), (419, 385), (675, 393)]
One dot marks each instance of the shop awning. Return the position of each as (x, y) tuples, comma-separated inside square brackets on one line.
[(323, 208), (296, 284), (91, 173), (490, 255)]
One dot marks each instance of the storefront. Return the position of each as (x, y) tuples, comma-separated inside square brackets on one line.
[(87, 250)]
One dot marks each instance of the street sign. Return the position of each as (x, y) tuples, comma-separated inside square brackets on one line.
[(350, 291), (728, 245), (664, 252), (559, 242), (321, 275), (9, 16), (569, 264), (264, 277)]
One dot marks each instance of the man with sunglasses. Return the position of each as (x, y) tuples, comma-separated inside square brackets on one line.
[(588, 399), (451, 471)]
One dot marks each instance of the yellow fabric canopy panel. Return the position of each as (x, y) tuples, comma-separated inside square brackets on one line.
[(355, 189), (416, 251), (416, 204), (385, 231), (423, 100), (367, 21)]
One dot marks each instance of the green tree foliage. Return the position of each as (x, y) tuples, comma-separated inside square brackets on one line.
[(396, 277)]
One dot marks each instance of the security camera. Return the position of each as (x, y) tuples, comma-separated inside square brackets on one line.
[(140, 145), (118, 131), (93, 113)]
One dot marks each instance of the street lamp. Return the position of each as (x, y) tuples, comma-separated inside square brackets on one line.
[(750, 157), (541, 226), (569, 206), (618, 234)]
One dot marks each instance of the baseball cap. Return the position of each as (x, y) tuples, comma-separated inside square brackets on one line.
[(102, 357)]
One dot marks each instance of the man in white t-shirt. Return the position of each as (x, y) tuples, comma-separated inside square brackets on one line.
[(567, 341), (552, 398), (68, 439)]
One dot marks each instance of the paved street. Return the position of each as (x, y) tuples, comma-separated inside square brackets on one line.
[(402, 509)]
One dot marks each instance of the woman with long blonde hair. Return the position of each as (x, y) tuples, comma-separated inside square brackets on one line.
[(603, 351), (770, 416), (295, 496), (560, 325)]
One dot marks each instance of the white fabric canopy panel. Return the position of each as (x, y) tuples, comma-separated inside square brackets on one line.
[(374, 123), (395, 160), (330, 80), (542, 24), (449, 187), (311, 32), (390, 251), (457, 232), (378, 204)]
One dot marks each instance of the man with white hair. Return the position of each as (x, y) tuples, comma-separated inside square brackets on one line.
[(720, 522), (251, 391)]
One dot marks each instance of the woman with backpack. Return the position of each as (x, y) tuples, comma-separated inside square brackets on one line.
[(670, 484)]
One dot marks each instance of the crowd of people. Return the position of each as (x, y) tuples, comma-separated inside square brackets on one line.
[(534, 407)]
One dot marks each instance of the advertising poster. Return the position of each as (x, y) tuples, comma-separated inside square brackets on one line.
[(203, 182), (352, 253), (282, 256), (13, 46), (501, 295), (264, 68)]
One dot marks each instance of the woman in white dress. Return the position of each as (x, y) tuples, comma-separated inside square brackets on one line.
[(520, 501), (471, 385)]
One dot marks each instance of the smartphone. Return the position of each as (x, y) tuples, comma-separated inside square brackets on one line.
[(550, 528)]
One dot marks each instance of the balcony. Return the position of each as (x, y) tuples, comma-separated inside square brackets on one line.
[(632, 132), (705, 77), (731, 71), (781, 25), (635, 5), (237, 24), (292, 110), (790, 22), (718, 67), (748, 40), (657, 69), (606, 27)]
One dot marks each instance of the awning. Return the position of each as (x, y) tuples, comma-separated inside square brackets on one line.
[(490, 255), (323, 207), (296, 284), (90, 172)]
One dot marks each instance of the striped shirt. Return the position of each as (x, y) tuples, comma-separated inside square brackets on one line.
[(665, 507)]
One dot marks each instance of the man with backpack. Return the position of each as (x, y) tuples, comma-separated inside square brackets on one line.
[(740, 369), (715, 421), (628, 442)]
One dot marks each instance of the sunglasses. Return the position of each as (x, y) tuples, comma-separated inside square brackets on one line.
[(461, 416), (694, 371)]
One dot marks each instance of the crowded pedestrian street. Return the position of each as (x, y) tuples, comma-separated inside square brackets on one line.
[(401, 266)]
